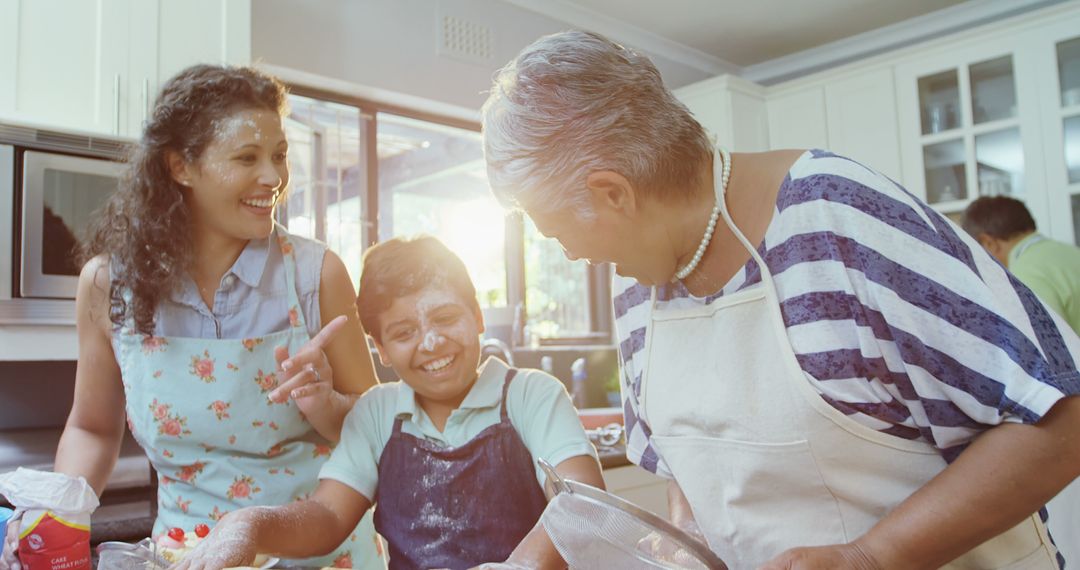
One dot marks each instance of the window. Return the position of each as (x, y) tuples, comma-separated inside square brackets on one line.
[(361, 172), (327, 176), (556, 290), (432, 180)]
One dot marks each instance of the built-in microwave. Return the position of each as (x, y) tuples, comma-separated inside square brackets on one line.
[(51, 186)]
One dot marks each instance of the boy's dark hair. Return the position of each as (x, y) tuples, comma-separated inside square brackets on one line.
[(403, 266), (1000, 217)]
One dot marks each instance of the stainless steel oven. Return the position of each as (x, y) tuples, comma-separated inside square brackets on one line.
[(52, 184)]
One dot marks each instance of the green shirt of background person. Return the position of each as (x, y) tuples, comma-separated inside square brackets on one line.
[(1050, 268)]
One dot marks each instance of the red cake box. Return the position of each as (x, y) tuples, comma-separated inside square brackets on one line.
[(53, 543), (54, 518)]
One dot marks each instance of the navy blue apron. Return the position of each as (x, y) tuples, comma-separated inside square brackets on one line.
[(457, 507)]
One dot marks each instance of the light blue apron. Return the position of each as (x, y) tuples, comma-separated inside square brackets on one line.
[(199, 408)]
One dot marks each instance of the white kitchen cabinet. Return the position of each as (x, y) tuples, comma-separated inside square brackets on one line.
[(850, 112), (65, 62), (171, 35), (970, 124), (860, 113), (731, 108), (797, 118), (638, 486), (1055, 51), (95, 65)]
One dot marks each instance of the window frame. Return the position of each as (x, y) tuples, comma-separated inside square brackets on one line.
[(599, 276)]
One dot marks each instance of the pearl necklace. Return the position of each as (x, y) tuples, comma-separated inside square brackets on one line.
[(713, 217)]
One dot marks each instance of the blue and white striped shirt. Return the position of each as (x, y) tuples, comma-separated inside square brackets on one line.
[(897, 317)]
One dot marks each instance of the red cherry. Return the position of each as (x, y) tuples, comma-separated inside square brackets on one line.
[(177, 534), (201, 530)]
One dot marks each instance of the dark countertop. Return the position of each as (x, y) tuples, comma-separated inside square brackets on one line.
[(611, 457)]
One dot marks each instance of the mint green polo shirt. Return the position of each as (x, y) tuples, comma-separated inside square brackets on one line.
[(537, 403), (1052, 270)]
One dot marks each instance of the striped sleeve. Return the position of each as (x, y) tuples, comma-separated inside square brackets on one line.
[(901, 320), (631, 307)]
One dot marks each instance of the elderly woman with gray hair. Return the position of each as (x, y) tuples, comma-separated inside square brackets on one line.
[(829, 372)]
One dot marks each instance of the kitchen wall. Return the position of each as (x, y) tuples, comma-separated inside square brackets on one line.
[(392, 44)]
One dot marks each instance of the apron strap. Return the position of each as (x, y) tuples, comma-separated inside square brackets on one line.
[(288, 257), (510, 374)]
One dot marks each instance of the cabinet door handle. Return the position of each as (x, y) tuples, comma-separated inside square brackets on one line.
[(116, 103), (145, 100)]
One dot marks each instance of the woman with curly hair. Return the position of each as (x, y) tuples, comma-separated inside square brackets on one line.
[(199, 317)]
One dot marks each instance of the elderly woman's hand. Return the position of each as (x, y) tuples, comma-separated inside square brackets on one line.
[(306, 376), (838, 556)]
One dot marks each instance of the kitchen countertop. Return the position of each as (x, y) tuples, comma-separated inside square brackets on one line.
[(611, 457)]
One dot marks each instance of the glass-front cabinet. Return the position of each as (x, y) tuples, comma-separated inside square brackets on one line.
[(964, 123), (970, 133), (1059, 54), (997, 116)]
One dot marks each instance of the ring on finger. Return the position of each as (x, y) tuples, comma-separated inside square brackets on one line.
[(318, 377)]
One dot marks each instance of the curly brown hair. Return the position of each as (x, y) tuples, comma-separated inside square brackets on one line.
[(145, 228)]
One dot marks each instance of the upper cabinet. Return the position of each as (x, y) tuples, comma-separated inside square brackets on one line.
[(969, 125), (852, 113), (998, 114), (731, 108), (96, 65), (1056, 53), (64, 62), (860, 117), (797, 118)]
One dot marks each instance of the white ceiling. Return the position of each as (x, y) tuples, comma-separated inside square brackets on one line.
[(748, 32), (766, 39)]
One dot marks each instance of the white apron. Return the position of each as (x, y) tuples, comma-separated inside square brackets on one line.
[(764, 461)]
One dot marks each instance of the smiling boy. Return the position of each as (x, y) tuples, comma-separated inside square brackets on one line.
[(448, 453)]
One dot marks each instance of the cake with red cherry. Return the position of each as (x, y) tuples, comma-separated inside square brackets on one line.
[(174, 545)]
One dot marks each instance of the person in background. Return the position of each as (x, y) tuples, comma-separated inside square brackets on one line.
[(1051, 269), (449, 453), (830, 373), (199, 318)]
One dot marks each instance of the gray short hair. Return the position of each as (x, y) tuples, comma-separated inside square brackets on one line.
[(574, 103)]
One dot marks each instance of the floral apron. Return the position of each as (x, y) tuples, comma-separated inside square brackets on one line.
[(199, 408)]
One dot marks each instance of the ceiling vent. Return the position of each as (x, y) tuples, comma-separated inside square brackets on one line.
[(465, 40)]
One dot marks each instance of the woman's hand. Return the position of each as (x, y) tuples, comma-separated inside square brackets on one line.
[(306, 376), (230, 543), (839, 556)]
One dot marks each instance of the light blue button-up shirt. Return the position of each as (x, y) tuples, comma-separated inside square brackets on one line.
[(537, 404), (251, 298)]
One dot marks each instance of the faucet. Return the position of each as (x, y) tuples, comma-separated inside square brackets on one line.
[(495, 347)]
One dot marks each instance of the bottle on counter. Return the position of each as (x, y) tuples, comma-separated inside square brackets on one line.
[(577, 383), (546, 365)]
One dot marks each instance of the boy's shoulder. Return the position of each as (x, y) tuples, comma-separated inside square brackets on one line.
[(379, 396), (536, 383), (383, 390)]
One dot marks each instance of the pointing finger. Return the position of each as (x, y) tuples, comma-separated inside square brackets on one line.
[(327, 334)]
